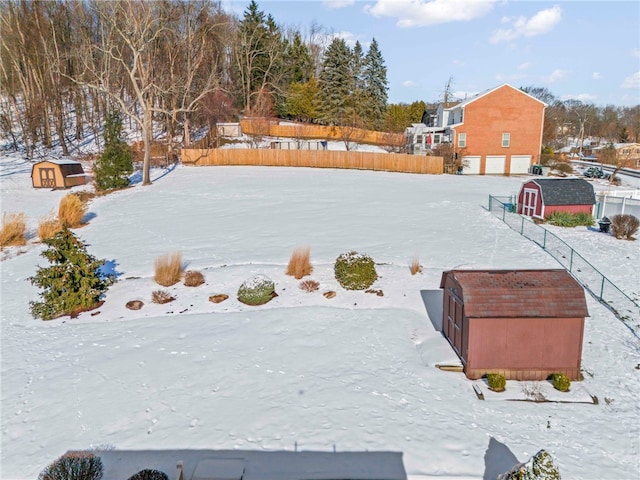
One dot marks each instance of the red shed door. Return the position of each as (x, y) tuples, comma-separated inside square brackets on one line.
[(529, 200)]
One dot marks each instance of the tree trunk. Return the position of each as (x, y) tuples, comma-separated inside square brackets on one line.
[(147, 131)]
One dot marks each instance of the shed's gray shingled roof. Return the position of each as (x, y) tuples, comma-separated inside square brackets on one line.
[(566, 191)]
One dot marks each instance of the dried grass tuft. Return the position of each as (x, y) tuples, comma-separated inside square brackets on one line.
[(71, 211), (161, 296), (415, 266), (48, 227), (299, 265), (13, 230), (168, 269), (309, 286), (193, 278)]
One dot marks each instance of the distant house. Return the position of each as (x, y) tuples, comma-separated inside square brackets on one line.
[(57, 174), (541, 197), (627, 154), (497, 132), (523, 324)]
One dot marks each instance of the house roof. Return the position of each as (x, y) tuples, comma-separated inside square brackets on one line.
[(519, 293), (486, 92), (566, 191)]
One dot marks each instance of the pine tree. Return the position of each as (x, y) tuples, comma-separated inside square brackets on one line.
[(114, 166), (375, 85), (71, 283), (336, 83), (301, 103)]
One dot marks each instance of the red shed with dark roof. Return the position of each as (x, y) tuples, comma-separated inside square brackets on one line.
[(524, 324), (543, 196)]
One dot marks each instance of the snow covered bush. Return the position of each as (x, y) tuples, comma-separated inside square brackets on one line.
[(168, 269), (72, 283), (355, 271), (561, 382), (74, 466), (71, 211), (258, 290), (149, 474), (496, 382), (624, 226), (13, 230)]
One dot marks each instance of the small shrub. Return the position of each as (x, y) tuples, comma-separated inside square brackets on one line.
[(168, 269), (71, 211), (299, 265), (48, 227), (256, 291), (161, 297), (568, 219), (193, 278), (415, 266), (149, 474), (114, 166), (624, 226), (355, 271), (13, 230), (309, 286), (496, 382), (74, 466), (561, 382)]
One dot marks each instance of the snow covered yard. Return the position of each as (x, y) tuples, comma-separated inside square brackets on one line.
[(356, 372)]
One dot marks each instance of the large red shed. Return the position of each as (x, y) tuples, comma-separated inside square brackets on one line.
[(524, 324), (543, 196)]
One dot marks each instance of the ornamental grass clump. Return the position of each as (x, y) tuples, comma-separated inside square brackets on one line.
[(624, 226), (168, 269), (561, 382), (12, 233), (415, 266), (193, 278), (258, 290), (496, 382), (299, 265), (74, 466), (309, 286), (71, 211), (355, 271), (48, 227)]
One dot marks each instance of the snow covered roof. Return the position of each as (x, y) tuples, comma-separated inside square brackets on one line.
[(61, 162)]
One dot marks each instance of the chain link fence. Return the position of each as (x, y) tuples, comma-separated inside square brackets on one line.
[(626, 308)]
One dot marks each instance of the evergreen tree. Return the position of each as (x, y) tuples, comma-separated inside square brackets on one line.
[(302, 99), (375, 85), (335, 83), (298, 60), (114, 166), (72, 281)]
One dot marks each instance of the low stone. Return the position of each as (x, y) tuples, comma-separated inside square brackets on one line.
[(379, 293), (329, 294), (218, 298), (134, 304)]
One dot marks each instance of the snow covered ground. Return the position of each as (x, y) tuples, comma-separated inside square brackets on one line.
[(355, 372)]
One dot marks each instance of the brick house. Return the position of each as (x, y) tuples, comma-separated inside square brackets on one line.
[(497, 132)]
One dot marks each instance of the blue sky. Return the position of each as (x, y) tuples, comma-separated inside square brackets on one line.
[(585, 50)]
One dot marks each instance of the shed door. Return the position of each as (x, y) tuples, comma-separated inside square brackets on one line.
[(453, 327), (529, 201), (47, 178)]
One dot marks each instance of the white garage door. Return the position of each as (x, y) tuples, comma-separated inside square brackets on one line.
[(520, 164), (495, 165), (471, 165)]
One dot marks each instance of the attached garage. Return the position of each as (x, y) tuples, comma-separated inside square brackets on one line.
[(57, 174), (494, 165), (541, 197), (520, 164), (523, 324), (471, 165)]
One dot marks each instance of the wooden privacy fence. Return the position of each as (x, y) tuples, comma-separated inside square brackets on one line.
[(271, 128), (390, 162)]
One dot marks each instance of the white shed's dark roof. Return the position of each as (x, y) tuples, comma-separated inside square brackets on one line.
[(566, 191)]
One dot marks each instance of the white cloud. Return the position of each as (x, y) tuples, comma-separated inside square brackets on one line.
[(349, 38), (635, 52), (541, 22), (583, 97), (596, 75), (632, 81), (338, 3), (421, 13), (555, 76), (408, 83), (524, 66)]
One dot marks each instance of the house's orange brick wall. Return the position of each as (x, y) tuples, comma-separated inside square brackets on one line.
[(505, 110)]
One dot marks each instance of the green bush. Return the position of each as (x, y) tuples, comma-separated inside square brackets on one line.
[(74, 466), (496, 381), (114, 166), (72, 283), (256, 291), (355, 271), (149, 474), (568, 219), (560, 382)]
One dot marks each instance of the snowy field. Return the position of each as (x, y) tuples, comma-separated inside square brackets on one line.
[(352, 373)]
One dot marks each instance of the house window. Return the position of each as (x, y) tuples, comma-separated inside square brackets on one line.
[(436, 138), (462, 140), (419, 139), (506, 139)]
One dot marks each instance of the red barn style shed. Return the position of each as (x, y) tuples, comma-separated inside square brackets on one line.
[(57, 174), (524, 324), (543, 196)]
